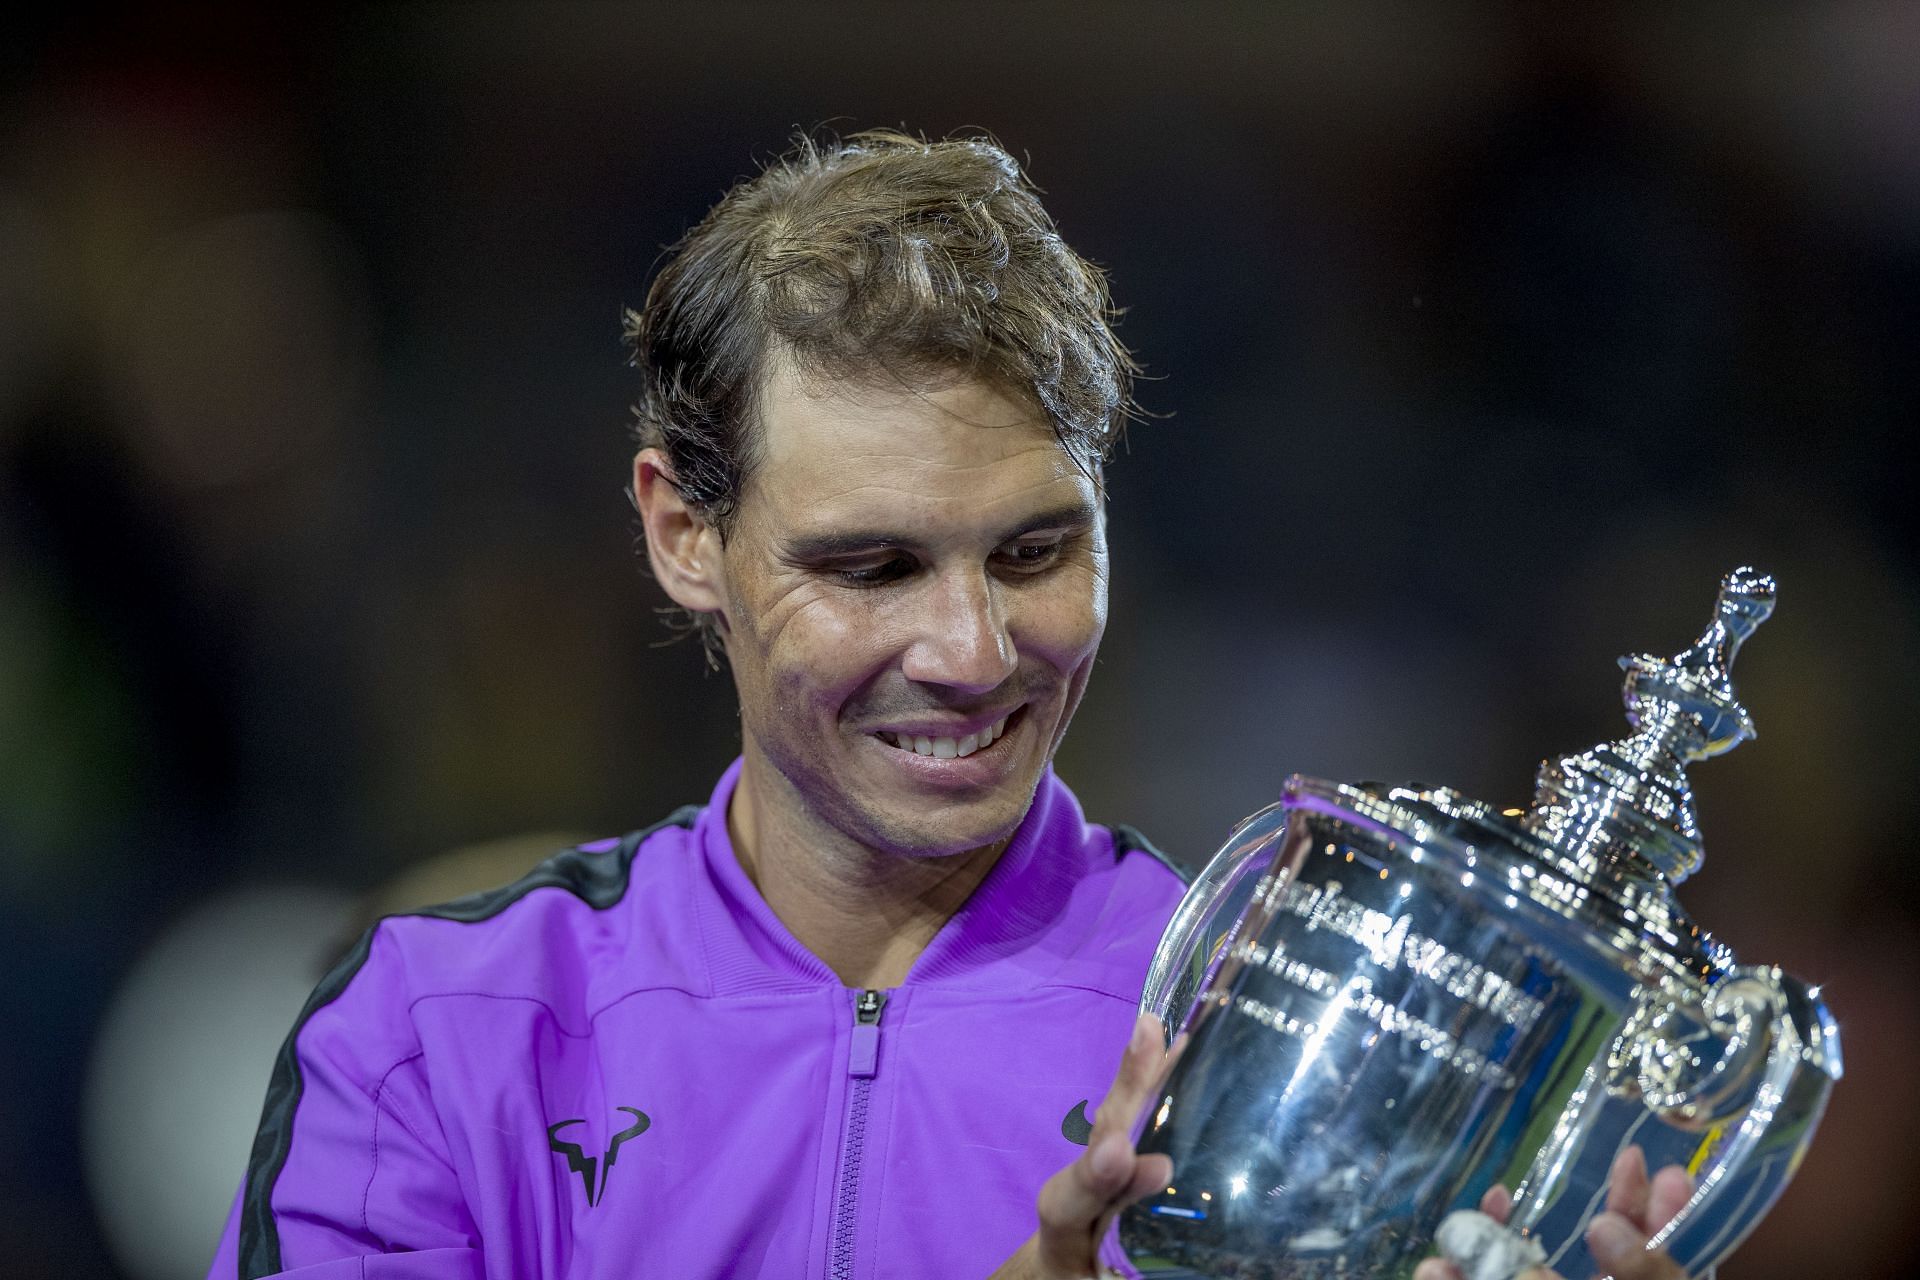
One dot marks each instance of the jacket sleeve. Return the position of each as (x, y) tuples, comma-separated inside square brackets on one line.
[(350, 1174)]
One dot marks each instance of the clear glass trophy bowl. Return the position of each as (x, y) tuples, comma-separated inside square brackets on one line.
[(1394, 998)]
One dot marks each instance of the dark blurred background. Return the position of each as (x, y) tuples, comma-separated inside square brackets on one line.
[(1489, 336)]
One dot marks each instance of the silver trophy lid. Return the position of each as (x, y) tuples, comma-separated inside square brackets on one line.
[(1627, 804)]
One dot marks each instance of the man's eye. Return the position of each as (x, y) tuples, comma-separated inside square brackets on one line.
[(1031, 555), (876, 574)]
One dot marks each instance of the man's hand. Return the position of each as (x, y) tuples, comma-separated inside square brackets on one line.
[(1076, 1203), (1637, 1206)]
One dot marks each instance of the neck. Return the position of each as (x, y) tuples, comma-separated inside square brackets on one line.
[(867, 914)]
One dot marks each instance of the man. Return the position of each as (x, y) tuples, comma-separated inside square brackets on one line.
[(846, 1019)]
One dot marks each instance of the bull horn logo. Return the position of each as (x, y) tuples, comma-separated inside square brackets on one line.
[(585, 1165)]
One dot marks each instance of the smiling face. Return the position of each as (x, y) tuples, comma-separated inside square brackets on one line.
[(911, 598)]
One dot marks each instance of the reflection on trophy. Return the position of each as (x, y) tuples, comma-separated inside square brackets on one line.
[(1398, 997)]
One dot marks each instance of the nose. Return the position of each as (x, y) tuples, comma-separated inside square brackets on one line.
[(962, 640)]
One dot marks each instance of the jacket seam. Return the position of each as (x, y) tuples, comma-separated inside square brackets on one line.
[(373, 1168), (559, 1023), (594, 1014), (797, 989)]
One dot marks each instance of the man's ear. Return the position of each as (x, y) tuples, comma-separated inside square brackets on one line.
[(682, 547)]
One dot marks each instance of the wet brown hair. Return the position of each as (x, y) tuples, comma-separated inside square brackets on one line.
[(880, 257)]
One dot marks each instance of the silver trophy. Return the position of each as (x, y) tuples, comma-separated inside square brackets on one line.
[(1396, 997)]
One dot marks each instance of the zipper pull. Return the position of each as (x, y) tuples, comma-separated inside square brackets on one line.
[(867, 1008)]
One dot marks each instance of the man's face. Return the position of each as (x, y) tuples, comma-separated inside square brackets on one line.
[(915, 587)]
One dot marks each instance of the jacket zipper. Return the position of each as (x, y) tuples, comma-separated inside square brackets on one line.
[(862, 1060)]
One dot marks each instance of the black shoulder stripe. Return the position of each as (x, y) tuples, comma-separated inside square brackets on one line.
[(1127, 839), (598, 879)]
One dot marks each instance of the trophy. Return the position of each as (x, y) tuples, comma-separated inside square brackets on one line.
[(1395, 997)]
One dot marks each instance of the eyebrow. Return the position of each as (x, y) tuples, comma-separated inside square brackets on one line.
[(850, 542)]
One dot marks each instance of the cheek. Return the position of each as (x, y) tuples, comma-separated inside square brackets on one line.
[(1068, 620), (819, 651)]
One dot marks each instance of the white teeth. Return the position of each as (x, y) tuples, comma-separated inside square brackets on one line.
[(945, 748)]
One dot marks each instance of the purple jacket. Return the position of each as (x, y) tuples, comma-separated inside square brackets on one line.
[(624, 1065)]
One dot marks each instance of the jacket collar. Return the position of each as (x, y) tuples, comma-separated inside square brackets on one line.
[(1014, 907)]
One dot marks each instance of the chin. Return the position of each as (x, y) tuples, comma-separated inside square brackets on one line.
[(947, 829)]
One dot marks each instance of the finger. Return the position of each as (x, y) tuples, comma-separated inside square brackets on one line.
[(1497, 1203), (1672, 1188), (1627, 1185), (1108, 1174), (1077, 1199), (1068, 1207), (1436, 1269), (1073, 1198), (1151, 1174), (1620, 1249), (1139, 1068), (1108, 1168)]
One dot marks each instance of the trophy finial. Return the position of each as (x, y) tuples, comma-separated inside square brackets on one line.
[(1629, 801), (1700, 680)]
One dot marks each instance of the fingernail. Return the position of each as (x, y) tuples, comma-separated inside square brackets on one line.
[(1613, 1239)]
